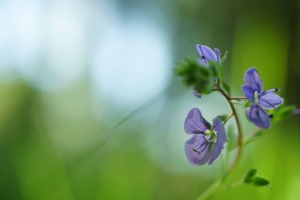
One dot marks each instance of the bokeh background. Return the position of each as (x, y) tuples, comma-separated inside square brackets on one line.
[(90, 107)]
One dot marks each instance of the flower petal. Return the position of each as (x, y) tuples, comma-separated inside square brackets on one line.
[(206, 53), (269, 100), (193, 123), (218, 126), (218, 54), (222, 138), (196, 155), (258, 116), (196, 94), (202, 62), (252, 78), (217, 148), (248, 92)]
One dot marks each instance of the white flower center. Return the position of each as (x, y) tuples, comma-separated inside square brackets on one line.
[(211, 135), (255, 98)]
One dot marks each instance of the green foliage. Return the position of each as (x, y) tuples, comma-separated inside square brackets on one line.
[(191, 71), (204, 87), (247, 104), (199, 77), (223, 117), (216, 68), (259, 181), (250, 177), (283, 113)]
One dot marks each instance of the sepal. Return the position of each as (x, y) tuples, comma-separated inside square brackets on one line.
[(195, 75), (216, 69)]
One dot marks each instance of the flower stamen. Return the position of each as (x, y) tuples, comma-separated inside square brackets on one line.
[(256, 98), (273, 90), (211, 135)]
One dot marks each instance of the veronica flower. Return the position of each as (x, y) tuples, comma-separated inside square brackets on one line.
[(253, 90), (206, 54), (207, 141)]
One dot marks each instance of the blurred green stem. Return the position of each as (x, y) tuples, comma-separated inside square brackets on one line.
[(251, 135), (232, 185), (216, 185), (210, 190)]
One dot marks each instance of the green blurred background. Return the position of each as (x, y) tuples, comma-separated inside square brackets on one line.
[(90, 107)]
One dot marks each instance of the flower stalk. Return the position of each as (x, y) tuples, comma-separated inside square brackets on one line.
[(216, 185), (238, 98), (228, 117), (240, 131), (210, 190)]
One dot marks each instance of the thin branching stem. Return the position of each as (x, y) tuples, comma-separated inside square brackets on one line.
[(232, 185), (227, 118), (237, 98), (240, 133), (251, 135), (210, 190), (216, 185)]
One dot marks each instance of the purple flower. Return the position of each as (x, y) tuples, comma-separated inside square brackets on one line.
[(260, 100), (207, 54), (207, 141)]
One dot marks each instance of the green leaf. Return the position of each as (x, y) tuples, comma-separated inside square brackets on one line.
[(204, 87), (232, 140), (283, 113), (247, 104), (259, 181), (226, 87), (223, 117), (248, 178)]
